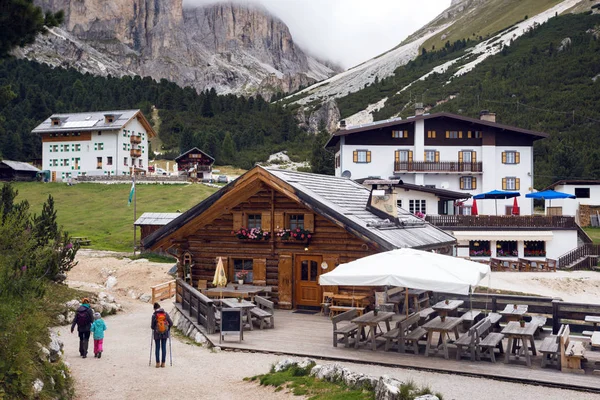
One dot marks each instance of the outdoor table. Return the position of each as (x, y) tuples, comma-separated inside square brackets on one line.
[(353, 299), (245, 291), (413, 294), (245, 305), (371, 321), (593, 319), (450, 324), (514, 314), (514, 333), (443, 309)]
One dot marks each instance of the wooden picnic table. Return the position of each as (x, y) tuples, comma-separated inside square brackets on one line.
[(450, 324), (593, 319), (371, 321), (514, 312), (413, 295), (443, 309), (245, 305), (515, 333), (245, 291)]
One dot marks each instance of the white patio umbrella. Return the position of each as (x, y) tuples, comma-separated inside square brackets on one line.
[(410, 268), (220, 278)]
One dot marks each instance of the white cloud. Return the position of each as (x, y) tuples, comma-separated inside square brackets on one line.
[(349, 31)]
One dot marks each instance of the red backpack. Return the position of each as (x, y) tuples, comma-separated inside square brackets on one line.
[(162, 324)]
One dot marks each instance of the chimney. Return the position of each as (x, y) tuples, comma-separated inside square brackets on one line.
[(54, 121), (419, 110), (485, 115), (382, 202), (342, 124)]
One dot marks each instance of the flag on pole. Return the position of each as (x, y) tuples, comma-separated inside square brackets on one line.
[(131, 192)]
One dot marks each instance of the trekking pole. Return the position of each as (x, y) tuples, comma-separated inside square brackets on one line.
[(170, 351), (151, 340)]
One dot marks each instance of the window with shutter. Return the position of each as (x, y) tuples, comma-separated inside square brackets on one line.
[(237, 221), (509, 157), (410, 156), (266, 221), (362, 156), (253, 221), (503, 183), (473, 182), (503, 157), (460, 156), (309, 222), (517, 184), (355, 156), (437, 156), (368, 156), (278, 220), (517, 157)]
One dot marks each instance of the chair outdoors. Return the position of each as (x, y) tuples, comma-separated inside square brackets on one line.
[(264, 312), (487, 341), (549, 349), (202, 284), (525, 265), (571, 352), (550, 265)]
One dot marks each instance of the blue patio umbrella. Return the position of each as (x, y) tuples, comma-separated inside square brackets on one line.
[(496, 194), (549, 195)]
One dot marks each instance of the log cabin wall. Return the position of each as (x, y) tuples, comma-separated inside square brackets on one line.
[(332, 243)]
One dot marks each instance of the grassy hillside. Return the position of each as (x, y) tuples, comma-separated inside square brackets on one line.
[(487, 19), (100, 212)]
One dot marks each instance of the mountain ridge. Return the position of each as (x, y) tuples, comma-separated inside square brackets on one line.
[(227, 46)]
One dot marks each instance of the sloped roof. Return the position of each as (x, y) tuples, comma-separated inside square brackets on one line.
[(399, 121), (340, 200), (191, 150), (398, 183), (20, 166), (583, 182), (156, 218), (93, 121)]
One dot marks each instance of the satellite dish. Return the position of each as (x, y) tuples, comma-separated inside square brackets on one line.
[(346, 174)]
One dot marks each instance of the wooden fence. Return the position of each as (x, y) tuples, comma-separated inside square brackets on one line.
[(443, 166), (163, 291), (200, 307), (503, 221), (557, 311)]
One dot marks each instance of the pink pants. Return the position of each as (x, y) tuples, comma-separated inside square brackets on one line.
[(98, 345)]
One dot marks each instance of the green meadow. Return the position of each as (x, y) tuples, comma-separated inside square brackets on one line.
[(100, 212)]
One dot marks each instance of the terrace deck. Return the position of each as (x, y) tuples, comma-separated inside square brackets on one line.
[(311, 336)]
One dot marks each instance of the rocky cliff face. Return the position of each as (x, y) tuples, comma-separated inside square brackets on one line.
[(234, 48)]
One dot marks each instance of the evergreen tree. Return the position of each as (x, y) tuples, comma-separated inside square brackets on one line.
[(228, 151), (21, 22), (322, 160), (45, 228)]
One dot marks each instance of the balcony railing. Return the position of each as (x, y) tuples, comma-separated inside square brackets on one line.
[(502, 221), (135, 139), (135, 153), (443, 166), (204, 168)]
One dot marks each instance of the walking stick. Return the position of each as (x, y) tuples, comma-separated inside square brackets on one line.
[(170, 351), (151, 340)]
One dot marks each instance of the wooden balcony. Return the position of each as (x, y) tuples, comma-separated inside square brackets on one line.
[(502, 221), (204, 168), (135, 139), (443, 166), (135, 153)]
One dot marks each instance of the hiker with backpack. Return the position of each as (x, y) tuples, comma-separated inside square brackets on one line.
[(98, 327), (84, 316), (161, 325)]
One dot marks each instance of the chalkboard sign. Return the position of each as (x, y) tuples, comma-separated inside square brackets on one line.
[(231, 323)]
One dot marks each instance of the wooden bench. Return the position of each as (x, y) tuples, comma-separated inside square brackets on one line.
[(540, 321), (82, 241), (494, 319), (549, 349), (595, 340), (263, 312), (344, 328), (470, 317), (426, 314), (571, 352), (407, 332), (487, 341), (335, 310), (465, 345)]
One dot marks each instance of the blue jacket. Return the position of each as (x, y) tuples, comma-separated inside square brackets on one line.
[(98, 328)]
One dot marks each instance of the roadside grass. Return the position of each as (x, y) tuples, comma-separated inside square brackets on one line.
[(299, 382), (56, 296), (594, 233), (100, 212), (484, 290)]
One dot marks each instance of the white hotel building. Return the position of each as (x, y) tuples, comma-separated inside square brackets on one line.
[(455, 153), (95, 143)]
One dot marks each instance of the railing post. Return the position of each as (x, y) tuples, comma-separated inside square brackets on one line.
[(555, 317), (494, 304)]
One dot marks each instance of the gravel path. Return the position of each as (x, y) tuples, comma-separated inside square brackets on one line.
[(197, 373)]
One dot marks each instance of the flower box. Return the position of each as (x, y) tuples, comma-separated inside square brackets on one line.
[(252, 235), (297, 235)]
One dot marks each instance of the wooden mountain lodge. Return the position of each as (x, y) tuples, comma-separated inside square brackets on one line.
[(251, 225)]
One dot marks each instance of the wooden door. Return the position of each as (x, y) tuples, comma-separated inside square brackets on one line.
[(308, 291)]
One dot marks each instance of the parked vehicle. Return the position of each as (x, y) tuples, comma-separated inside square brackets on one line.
[(222, 179), (160, 171)]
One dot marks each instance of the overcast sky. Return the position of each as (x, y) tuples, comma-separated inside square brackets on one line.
[(349, 31)]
